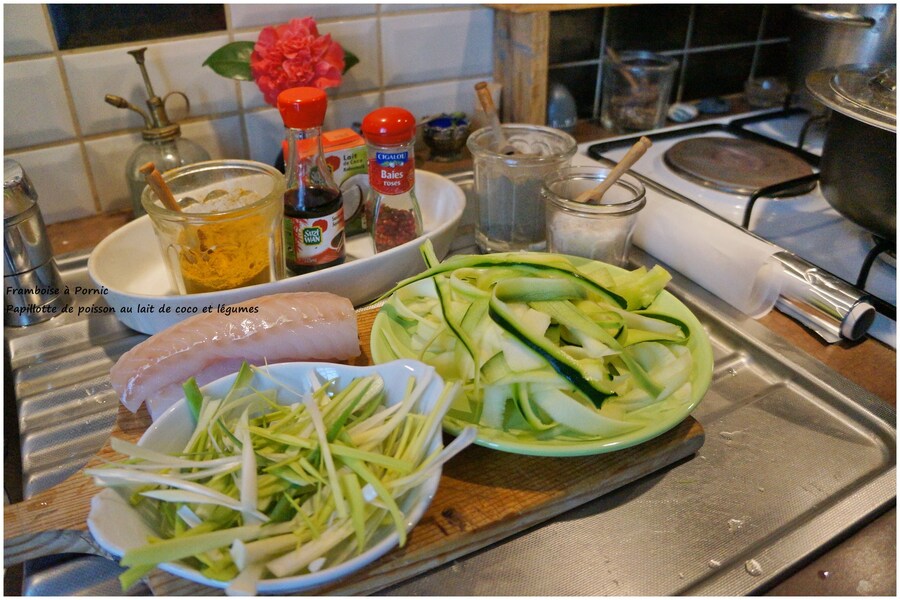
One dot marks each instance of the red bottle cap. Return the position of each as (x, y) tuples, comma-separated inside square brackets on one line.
[(389, 125), (302, 107)]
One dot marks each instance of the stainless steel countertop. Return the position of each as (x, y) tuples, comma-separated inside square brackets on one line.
[(796, 457)]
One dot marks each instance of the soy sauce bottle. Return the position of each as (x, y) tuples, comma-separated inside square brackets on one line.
[(313, 206)]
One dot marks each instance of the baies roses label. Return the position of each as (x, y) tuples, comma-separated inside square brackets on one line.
[(392, 172)]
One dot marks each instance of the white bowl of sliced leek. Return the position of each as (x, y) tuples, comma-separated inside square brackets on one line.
[(295, 513)]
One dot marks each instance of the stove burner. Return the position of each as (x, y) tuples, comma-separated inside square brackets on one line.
[(736, 165), (784, 185)]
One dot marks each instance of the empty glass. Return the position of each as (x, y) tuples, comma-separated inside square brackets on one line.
[(508, 184), (636, 90)]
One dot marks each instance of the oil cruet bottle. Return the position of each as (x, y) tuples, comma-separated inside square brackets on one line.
[(313, 205), (163, 144), (395, 219)]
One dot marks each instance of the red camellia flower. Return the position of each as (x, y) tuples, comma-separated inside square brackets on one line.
[(294, 55)]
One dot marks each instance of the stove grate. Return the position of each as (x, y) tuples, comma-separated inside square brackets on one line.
[(783, 190)]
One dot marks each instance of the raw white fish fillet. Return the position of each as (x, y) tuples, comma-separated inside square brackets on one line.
[(286, 327)]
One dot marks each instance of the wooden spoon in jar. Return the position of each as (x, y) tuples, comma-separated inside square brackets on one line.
[(158, 185), (487, 103), (156, 182), (595, 195), (623, 68)]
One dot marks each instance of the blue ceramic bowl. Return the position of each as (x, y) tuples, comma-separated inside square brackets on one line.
[(446, 135)]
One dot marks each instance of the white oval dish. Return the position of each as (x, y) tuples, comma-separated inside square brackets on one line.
[(117, 526), (129, 264)]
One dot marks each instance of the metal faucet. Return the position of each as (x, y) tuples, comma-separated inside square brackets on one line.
[(33, 288)]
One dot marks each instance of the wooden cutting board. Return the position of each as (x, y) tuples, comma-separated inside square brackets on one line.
[(484, 496)]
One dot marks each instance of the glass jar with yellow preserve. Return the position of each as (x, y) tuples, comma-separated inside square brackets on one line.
[(226, 232)]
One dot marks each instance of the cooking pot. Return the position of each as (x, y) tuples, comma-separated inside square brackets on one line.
[(830, 35), (858, 170)]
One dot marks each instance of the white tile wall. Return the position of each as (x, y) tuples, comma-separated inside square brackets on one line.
[(107, 166), (25, 30), (222, 138), (171, 66), (253, 15), (435, 98), (361, 38), (60, 181), (389, 8), (35, 110), (433, 46), (265, 132), (74, 146), (343, 112)]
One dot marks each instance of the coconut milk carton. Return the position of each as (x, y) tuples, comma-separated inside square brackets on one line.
[(345, 153)]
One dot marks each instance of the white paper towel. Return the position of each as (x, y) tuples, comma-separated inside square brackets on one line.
[(737, 267)]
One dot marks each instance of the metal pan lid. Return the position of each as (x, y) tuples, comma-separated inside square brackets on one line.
[(867, 93)]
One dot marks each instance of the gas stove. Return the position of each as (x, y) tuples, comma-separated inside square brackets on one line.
[(791, 213)]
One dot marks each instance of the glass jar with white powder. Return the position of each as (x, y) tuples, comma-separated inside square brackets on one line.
[(597, 231)]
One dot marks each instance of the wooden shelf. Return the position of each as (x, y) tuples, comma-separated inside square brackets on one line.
[(520, 65), (521, 41)]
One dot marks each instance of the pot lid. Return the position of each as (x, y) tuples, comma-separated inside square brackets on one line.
[(867, 93)]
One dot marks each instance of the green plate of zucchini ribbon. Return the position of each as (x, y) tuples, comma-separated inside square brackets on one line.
[(557, 355)]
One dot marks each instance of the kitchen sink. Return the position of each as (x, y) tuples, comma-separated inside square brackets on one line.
[(59, 410), (795, 457)]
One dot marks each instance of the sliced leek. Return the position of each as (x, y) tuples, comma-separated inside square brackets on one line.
[(273, 484)]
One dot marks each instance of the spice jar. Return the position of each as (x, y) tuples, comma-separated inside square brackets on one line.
[(390, 134), (596, 231), (226, 232), (313, 203)]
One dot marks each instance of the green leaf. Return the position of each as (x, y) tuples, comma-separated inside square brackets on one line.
[(350, 59), (232, 61)]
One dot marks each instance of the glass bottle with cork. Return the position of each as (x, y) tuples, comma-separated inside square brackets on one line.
[(313, 205), (395, 218)]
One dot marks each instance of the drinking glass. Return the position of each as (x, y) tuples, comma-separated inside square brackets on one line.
[(636, 91), (508, 184)]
